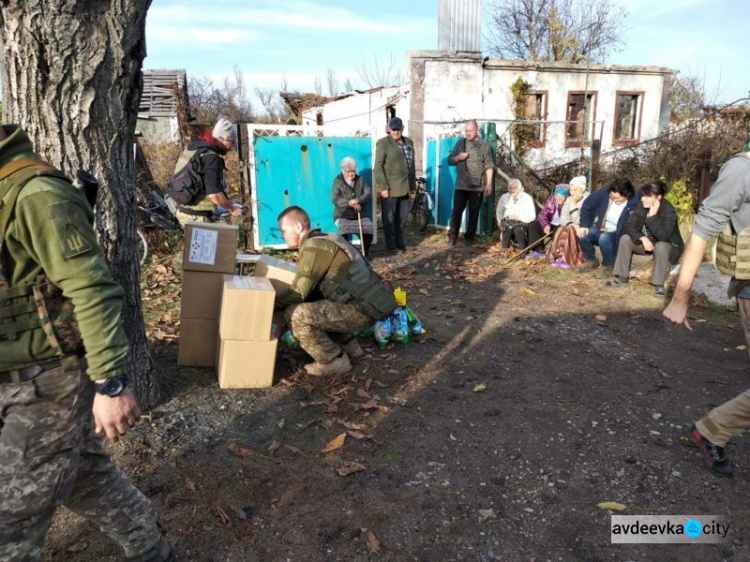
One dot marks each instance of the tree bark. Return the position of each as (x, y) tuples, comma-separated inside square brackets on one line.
[(72, 79)]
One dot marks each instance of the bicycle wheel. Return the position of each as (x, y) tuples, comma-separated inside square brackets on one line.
[(422, 216), (141, 246)]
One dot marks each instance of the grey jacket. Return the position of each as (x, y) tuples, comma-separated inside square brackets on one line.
[(470, 173), (342, 193), (729, 200), (568, 216)]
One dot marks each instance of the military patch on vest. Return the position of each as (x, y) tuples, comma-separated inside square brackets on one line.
[(72, 241)]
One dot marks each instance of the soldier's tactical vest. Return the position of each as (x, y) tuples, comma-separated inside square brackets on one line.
[(363, 286), (39, 305), (732, 250)]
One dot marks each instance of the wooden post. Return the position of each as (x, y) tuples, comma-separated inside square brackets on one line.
[(596, 152), (705, 176)]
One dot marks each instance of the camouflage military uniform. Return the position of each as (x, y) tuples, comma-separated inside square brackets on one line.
[(49, 453), (330, 313)]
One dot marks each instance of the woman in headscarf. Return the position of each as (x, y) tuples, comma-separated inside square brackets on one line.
[(350, 195), (515, 210), (565, 250), (549, 218)]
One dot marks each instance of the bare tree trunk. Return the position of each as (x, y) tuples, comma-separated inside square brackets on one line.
[(71, 78)]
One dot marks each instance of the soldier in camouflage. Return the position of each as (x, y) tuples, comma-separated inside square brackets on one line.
[(62, 358), (334, 293)]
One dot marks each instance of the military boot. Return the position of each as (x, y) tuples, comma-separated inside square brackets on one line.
[(160, 553), (353, 349), (338, 366)]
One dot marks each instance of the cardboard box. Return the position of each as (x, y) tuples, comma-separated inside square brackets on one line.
[(246, 308), (210, 247), (247, 364), (245, 263), (201, 295), (197, 347), (281, 273)]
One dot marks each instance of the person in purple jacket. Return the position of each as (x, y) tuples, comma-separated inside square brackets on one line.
[(548, 219)]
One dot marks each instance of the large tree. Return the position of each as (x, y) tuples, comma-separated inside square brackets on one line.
[(71, 77), (554, 30)]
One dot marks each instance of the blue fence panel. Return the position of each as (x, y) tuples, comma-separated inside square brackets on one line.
[(300, 171), (447, 181), (430, 174)]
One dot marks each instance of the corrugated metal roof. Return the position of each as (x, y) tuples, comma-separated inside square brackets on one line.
[(460, 25)]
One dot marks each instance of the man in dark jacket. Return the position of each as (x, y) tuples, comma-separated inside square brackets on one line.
[(472, 157), (652, 228), (210, 150), (394, 178), (604, 215)]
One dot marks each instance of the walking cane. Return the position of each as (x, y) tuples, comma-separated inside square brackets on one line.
[(361, 238), (527, 248)]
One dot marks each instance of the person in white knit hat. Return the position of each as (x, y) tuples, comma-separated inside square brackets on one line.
[(192, 200)]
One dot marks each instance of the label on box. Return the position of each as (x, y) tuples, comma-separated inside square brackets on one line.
[(203, 246)]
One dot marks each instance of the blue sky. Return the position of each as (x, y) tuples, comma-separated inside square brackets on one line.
[(301, 39)]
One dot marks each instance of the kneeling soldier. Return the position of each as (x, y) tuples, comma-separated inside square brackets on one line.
[(62, 356), (334, 292)]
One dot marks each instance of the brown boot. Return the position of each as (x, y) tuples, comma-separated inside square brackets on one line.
[(353, 349), (338, 366)]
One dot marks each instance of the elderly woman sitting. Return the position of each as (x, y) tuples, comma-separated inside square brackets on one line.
[(549, 218), (350, 195), (565, 250), (515, 210)]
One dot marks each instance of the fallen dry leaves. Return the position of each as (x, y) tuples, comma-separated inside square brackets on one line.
[(372, 542), (349, 467), (334, 444)]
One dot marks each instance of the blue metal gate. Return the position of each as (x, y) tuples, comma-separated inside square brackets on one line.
[(299, 170)]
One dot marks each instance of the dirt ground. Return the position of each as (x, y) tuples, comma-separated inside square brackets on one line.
[(535, 395)]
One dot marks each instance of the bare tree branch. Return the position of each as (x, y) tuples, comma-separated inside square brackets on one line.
[(378, 73), (555, 30), (332, 82)]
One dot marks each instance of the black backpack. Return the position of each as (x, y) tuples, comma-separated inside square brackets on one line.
[(186, 186)]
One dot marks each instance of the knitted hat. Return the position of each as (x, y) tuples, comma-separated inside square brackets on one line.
[(579, 181), (224, 130), (562, 189)]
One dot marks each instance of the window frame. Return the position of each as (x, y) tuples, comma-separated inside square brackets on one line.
[(628, 142), (595, 99), (542, 143)]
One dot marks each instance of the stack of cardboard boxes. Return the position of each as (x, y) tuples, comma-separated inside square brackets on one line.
[(210, 251), (248, 333), (227, 320)]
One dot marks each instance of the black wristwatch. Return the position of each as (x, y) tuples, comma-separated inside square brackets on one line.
[(113, 386)]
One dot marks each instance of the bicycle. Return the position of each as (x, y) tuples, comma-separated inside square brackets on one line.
[(421, 207), (152, 214)]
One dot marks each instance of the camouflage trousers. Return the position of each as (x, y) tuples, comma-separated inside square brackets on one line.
[(311, 323), (50, 456)]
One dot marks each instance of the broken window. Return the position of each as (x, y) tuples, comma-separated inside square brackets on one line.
[(581, 108), (627, 117), (533, 107)]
